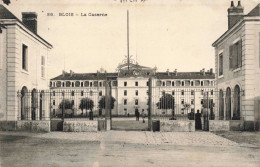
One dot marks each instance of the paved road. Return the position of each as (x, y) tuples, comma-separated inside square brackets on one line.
[(119, 148)]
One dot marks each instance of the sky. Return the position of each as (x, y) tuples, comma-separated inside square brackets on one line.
[(176, 34)]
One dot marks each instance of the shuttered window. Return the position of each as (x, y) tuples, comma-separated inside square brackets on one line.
[(220, 64), (235, 55)]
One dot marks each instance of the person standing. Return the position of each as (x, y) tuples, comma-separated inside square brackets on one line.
[(136, 110), (138, 115), (143, 115), (198, 120)]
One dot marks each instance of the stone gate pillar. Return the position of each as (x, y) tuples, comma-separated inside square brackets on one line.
[(108, 105)]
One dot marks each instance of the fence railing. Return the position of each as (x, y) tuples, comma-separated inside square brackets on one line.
[(180, 104)]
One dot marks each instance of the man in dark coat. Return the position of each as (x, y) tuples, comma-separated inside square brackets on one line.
[(138, 115), (198, 120)]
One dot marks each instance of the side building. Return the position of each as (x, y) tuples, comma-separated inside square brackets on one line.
[(23, 65), (237, 64), (130, 88)]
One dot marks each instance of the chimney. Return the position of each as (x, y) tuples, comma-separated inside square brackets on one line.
[(71, 72), (63, 73), (168, 72), (30, 20), (211, 71), (235, 14), (202, 71), (175, 72)]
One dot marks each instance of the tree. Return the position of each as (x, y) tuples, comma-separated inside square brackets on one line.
[(102, 103), (67, 105), (166, 102), (86, 103), (186, 106)]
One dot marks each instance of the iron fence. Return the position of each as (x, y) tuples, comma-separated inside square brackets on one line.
[(60, 104)]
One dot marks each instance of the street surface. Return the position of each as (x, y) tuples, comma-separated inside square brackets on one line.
[(124, 148)]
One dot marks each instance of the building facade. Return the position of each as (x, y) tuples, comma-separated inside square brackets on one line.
[(23, 63), (130, 88), (237, 64)]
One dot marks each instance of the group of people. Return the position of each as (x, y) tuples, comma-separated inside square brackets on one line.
[(137, 115), (197, 119)]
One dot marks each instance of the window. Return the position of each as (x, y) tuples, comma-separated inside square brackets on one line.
[(192, 83), (63, 84), (172, 83), (81, 84), (211, 92), (95, 83), (72, 84), (201, 83), (158, 83), (202, 92), (147, 83), (136, 101), (192, 101), (43, 67), (168, 83), (235, 55), (72, 93), (86, 83), (136, 92), (192, 92), (125, 92), (100, 84), (201, 101), (173, 92), (182, 83), (91, 84), (53, 93), (100, 93), (182, 101), (53, 102), (114, 83), (82, 93), (136, 83), (147, 92), (25, 57), (125, 101), (125, 83), (220, 66), (163, 84), (72, 102), (182, 92)]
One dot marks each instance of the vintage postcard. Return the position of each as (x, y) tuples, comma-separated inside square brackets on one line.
[(129, 83)]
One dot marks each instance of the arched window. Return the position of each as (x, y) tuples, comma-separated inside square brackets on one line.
[(24, 103), (221, 105), (236, 112), (228, 104), (34, 103)]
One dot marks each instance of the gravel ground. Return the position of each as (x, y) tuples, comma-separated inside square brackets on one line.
[(123, 148), (245, 138)]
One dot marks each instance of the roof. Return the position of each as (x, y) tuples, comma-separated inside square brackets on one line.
[(255, 11), (252, 13), (85, 76), (185, 75), (159, 75), (6, 14), (132, 66)]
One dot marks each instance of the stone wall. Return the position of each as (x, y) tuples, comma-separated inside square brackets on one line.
[(80, 126), (177, 125), (33, 126), (218, 125), (7, 125)]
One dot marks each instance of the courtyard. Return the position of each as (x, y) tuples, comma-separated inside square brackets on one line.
[(124, 148)]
